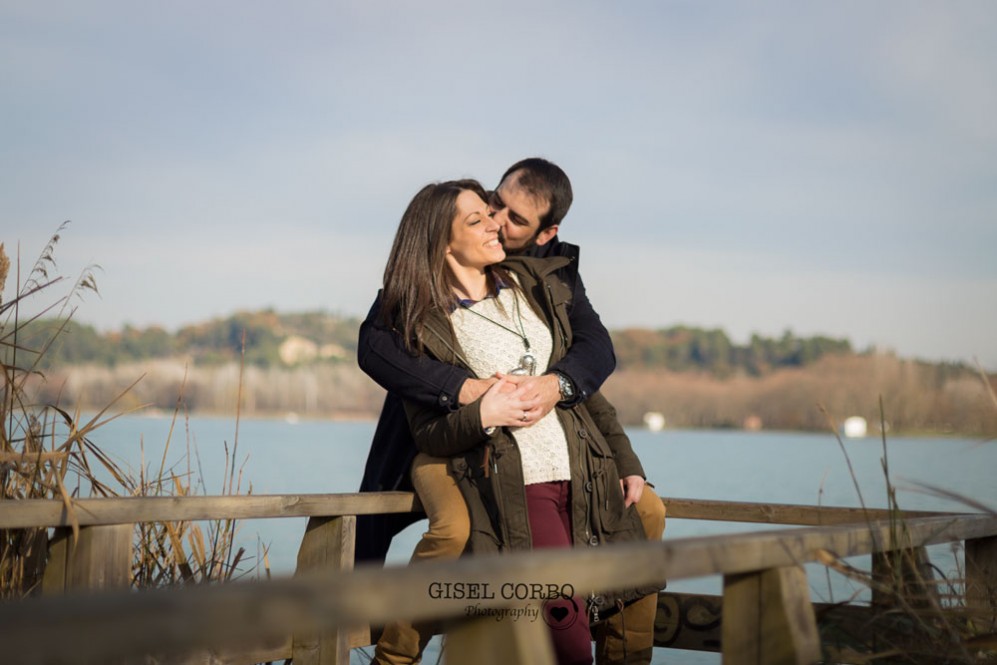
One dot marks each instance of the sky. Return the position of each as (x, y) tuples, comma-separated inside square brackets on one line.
[(825, 168)]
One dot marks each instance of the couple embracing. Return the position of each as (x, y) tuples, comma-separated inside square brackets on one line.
[(492, 357)]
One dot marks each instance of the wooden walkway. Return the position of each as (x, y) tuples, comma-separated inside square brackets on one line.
[(86, 613)]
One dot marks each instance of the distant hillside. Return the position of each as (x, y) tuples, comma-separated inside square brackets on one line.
[(683, 349), (268, 338), (271, 339), (305, 364)]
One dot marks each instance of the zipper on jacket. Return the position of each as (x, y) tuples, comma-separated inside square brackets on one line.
[(499, 500)]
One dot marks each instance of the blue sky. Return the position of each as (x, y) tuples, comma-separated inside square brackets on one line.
[(830, 168)]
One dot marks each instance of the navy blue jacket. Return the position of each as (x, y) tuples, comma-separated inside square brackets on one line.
[(382, 356)]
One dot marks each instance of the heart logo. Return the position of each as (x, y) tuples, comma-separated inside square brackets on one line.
[(559, 613)]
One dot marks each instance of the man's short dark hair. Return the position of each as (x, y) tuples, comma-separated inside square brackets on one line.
[(546, 181)]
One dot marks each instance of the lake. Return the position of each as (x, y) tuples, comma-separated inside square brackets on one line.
[(281, 457)]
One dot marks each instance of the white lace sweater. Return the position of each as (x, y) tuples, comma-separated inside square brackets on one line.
[(489, 347)]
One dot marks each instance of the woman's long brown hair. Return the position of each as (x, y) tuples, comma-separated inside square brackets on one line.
[(416, 279)]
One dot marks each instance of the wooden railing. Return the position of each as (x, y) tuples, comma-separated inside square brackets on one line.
[(85, 616)]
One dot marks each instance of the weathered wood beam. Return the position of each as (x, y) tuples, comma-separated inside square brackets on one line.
[(484, 641), (128, 510), (692, 622), (768, 618), (101, 626), (100, 558), (981, 581), (125, 510), (778, 513), (327, 546)]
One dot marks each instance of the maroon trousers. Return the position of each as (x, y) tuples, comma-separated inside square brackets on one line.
[(549, 506)]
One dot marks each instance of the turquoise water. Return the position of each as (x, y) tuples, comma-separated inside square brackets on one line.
[(277, 457)]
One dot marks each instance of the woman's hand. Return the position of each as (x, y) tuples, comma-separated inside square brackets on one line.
[(544, 390), (506, 405)]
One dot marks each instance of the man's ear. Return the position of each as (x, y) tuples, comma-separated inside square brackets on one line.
[(545, 236)]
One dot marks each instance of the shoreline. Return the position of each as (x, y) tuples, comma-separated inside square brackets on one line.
[(293, 418)]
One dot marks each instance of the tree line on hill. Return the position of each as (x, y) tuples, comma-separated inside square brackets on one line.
[(261, 335), (694, 377)]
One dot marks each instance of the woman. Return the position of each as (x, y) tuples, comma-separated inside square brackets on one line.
[(551, 484)]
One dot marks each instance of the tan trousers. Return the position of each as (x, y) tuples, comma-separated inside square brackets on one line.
[(449, 528), (629, 633), (628, 636)]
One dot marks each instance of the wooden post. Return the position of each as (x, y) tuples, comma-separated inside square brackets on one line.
[(907, 573), (768, 619), (487, 641), (100, 559), (981, 581), (328, 544), (882, 578)]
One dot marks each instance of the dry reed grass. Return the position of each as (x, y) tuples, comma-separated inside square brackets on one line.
[(47, 452), (918, 614)]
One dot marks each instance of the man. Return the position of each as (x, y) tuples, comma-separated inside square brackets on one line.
[(530, 202)]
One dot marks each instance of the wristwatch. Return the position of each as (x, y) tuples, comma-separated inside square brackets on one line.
[(564, 385)]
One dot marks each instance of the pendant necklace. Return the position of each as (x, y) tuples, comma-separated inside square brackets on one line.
[(528, 362)]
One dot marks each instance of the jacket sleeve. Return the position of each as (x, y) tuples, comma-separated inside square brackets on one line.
[(445, 434), (381, 354), (604, 415), (591, 359)]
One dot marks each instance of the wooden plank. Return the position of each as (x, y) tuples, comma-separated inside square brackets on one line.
[(100, 559), (741, 625), (131, 510), (688, 621), (777, 513), (768, 619), (327, 546), (31, 458), (120, 510), (692, 622), (485, 641), (98, 627), (54, 579), (981, 581), (907, 572)]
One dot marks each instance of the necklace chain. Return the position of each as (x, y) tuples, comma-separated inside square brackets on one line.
[(521, 333), (528, 362)]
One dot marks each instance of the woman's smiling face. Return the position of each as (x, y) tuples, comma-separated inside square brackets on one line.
[(474, 234)]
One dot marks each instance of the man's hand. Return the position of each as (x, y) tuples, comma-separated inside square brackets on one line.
[(501, 407), (474, 388), (633, 487), (545, 390)]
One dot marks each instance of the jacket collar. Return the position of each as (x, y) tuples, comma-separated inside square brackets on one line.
[(541, 267)]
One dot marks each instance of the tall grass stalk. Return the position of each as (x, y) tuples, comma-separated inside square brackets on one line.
[(915, 617), (49, 452)]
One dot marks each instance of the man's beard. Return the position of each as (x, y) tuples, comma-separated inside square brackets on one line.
[(530, 244)]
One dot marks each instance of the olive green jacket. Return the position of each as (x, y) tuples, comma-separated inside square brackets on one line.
[(488, 468)]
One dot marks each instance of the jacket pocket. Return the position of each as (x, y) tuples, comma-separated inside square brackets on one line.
[(476, 479), (593, 439)]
